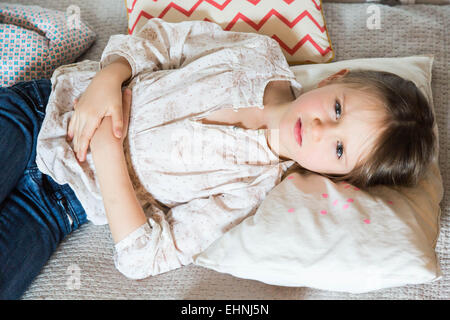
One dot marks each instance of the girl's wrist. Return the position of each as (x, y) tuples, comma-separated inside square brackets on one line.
[(103, 138), (106, 146), (117, 72)]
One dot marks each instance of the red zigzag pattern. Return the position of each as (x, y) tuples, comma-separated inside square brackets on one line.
[(249, 21), (225, 4)]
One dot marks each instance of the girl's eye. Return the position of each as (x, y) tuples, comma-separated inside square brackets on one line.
[(338, 109), (340, 147), (339, 150)]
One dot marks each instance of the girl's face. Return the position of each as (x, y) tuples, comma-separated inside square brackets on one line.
[(338, 126)]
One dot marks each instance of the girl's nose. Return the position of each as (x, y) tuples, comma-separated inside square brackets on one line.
[(316, 130), (323, 130)]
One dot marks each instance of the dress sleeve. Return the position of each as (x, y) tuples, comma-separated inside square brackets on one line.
[(169, 242), (161, 45)]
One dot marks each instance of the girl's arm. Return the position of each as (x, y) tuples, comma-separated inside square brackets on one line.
[(123, 210), (171, 240), (103, 97)]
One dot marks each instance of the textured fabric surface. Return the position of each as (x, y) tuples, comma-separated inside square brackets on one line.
[(335, 236), (52, 38), (394, 2), (203, 196), (88, 254), (304, 41)]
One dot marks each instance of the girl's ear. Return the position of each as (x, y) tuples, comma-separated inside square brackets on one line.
[(336, 75)]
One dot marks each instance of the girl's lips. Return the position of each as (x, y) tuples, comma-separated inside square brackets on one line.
[(298, 131)]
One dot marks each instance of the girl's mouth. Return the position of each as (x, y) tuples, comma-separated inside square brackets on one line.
[(298, 131)]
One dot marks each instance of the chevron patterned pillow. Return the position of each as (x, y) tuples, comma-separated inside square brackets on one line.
[(297, 25)]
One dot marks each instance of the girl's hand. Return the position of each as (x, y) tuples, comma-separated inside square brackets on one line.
[(102, 98), (103, 137), (126, 107)]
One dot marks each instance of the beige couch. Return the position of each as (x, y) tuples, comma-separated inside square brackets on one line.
[(405, 30)]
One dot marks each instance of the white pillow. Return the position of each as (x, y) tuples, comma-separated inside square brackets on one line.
[(312, 232)]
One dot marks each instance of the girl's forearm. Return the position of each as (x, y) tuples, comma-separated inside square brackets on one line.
[(117, 71), (123, 210)]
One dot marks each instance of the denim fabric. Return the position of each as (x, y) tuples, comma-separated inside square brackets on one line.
[(36, 213)]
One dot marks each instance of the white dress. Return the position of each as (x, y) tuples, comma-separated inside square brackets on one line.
[(194, 181)]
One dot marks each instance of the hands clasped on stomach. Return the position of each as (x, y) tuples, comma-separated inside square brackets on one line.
[(102, 98)]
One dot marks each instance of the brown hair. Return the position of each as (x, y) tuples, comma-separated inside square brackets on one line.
[(406, 144)]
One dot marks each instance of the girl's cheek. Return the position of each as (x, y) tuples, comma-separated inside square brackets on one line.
[(310, 160)]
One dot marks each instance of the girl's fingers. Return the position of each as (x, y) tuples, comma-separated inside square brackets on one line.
[(69, 135), (81, 143), (81, 138), (70, 127), (117, 120), (76, 136), (127, 96), (127, 106), (87, 133)]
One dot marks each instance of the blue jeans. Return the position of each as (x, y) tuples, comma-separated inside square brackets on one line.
[(36, 213)]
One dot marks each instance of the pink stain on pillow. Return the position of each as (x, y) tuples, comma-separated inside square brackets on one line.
[(366, 221), (323, 212), (291, 210), (325, 195)]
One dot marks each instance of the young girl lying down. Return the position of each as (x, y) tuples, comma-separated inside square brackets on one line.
[(209, 123)]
